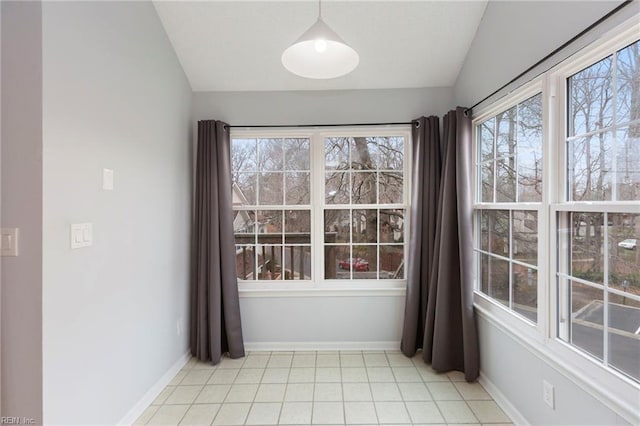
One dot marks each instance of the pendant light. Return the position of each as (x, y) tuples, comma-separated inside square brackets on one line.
[(320, 53)]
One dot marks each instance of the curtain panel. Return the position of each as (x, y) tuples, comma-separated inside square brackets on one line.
[(439, 314), (215, 307)]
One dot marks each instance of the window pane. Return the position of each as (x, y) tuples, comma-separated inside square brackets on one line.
[(244, 226), (337, 261), (244, 189), (506, 123), (495, 231), (298, 221), (525, 291), (270, 262), (364, 264), (495, 278), (391, 187), (297, 262), (337, 187), (337, 224), (485, 139), (590, 98), (392, 226), (586, 318), (506, 180), (270, 155), (365, 226), (270, 187), (336, 153), (525, 236), (589, 167), (529, 149), (270, 222), (391, 262), (245, 262), (297, 188), (244, 155), (390, 153), (628, 162), (364, 188), (487, 170), (624, 255), (296, 153), (624, 341), (362, 153), (587, 246), (627, 96)]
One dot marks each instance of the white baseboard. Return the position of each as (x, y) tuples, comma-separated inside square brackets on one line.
[(502, 401), (321, 346), (146, 400)]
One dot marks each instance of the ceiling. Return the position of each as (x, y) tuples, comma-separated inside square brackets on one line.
[(236, 45)]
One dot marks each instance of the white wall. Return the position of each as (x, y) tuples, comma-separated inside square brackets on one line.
[(114, 96), (513, 35), (321, 107), (21, 369), (322, 321), (315, 320), (517, 372)]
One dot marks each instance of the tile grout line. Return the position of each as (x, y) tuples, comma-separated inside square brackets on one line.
[(189, 368)]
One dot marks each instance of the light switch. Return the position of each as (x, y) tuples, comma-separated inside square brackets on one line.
[(87, 238), (107, 179), (81, 235), (9, 242)]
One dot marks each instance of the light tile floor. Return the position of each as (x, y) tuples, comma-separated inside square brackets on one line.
[(321, 388)]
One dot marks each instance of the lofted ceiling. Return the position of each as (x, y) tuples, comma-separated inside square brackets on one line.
[(236, 45)]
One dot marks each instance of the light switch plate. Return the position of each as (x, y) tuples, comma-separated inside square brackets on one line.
[(81, 235), (9, 242), (107, 179)]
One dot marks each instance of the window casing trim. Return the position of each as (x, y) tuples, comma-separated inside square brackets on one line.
[(317, 283)]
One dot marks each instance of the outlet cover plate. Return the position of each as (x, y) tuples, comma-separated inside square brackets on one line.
[(548, 394)]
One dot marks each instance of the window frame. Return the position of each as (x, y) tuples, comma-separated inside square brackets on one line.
[(318, 285), (614, 389), (481, 300)]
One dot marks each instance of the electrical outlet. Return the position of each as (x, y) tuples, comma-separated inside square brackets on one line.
[(548, 394)]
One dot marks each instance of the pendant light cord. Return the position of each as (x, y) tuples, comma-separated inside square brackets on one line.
[(320, 9)]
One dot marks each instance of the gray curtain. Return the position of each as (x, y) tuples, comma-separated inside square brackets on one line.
[(439, 316), (215, 309)]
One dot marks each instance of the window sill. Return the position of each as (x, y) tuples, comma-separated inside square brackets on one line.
[(371, 291)]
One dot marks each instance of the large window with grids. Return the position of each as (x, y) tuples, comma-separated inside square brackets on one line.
[(557, 216), (508, 200), (598, 216), (316, 206)]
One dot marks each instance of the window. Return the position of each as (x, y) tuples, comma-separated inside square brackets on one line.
[(598, 269), (272, 210), (509, 167), (364, 207), (320, 207), (557, 217)]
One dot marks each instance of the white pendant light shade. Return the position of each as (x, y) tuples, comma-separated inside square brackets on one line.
[(320, 53)]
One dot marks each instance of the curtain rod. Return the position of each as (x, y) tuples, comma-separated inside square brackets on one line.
[(567, 43), (262, 126)]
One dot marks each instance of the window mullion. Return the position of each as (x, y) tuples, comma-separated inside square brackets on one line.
[(317, 208)]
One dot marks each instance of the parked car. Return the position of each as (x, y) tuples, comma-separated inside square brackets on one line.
[(358, 264), (629, 244)]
